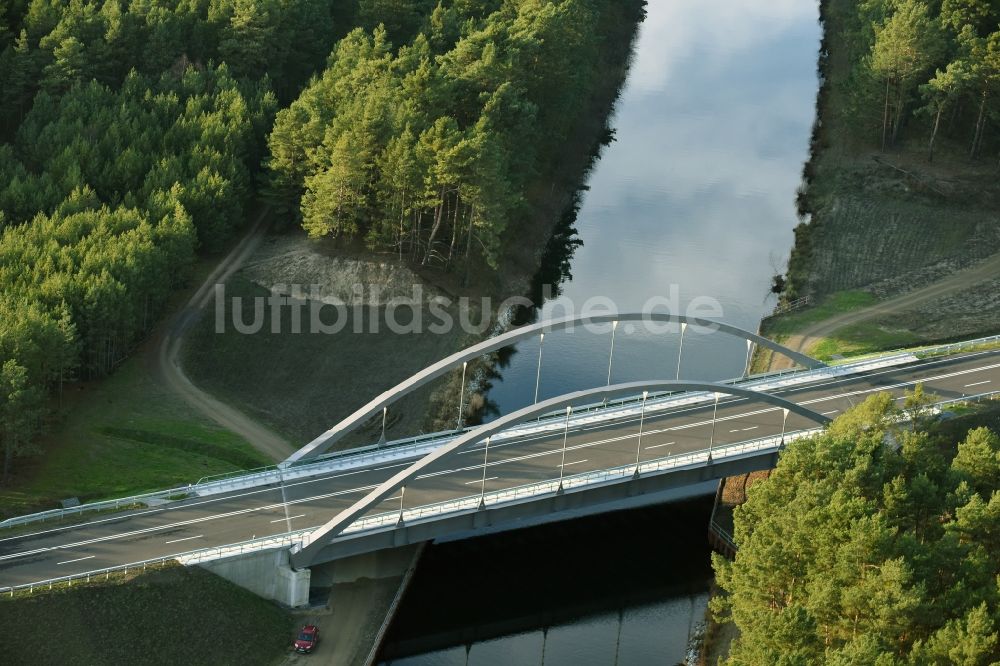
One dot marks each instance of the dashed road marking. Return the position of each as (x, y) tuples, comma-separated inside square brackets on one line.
[(79, 559), (197, 536)]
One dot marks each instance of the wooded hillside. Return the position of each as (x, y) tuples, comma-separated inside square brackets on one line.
[(134, 134)]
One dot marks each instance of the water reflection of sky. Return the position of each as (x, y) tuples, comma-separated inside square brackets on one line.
[(698, 189)]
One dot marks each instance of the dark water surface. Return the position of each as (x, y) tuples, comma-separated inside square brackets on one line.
[(624, 588), (695, 198)]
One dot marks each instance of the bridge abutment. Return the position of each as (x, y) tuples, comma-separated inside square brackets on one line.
[(266, 573)]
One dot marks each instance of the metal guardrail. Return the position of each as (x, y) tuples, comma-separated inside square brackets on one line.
[(185, 558), (927, 351), (979, 397), (722, 533), (764, 444), (104, 505), (954, 347), (405, 447)]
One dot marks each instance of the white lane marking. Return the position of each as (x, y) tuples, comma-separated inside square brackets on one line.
[(575, 462), (489, 478), (750, 428), (656, 446), (211, 500), (832, 411), (79, 559), (687, 426), (977, 383), (830, 383), (182, 523), (197, 536), (736, 430), (281, 520)]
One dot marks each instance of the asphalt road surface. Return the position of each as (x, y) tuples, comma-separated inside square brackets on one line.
[(179, 527)]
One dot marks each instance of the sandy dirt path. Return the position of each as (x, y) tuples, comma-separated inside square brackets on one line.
[(167, 361), (806, 339)]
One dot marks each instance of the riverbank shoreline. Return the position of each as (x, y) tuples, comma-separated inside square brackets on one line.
[(904, 246)]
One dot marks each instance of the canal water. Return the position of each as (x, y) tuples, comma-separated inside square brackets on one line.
[(692, 205)]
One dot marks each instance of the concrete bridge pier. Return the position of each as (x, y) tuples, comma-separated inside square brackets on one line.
[(266, 573)]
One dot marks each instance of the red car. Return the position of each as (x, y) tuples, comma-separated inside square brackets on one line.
[(307, 639)]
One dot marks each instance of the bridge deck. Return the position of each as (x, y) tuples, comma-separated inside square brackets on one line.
[(309, 501)]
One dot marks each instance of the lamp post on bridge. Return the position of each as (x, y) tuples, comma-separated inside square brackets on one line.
[(562, 465), (482, 490), (611, 356), (680, 350), (638, 447), (385, 413), (784, 420), (461, 397), (402, 491), (746, 366), (538, 372), (711, 440)]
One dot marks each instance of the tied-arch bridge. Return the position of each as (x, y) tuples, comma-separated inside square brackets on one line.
[(591, 451), (313, 544)]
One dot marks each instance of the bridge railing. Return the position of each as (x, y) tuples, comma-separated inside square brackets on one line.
[(551, 486), (467, 503)]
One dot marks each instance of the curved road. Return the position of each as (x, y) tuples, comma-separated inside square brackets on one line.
[(168, 367)]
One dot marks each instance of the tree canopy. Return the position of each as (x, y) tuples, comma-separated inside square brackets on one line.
[(131, 133), (426, 149), (870, 544), (930, 60)]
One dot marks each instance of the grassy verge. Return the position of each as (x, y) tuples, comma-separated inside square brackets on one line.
[(302, 383), (173, 615), (863, 338), (124, 435), (834, 304)]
